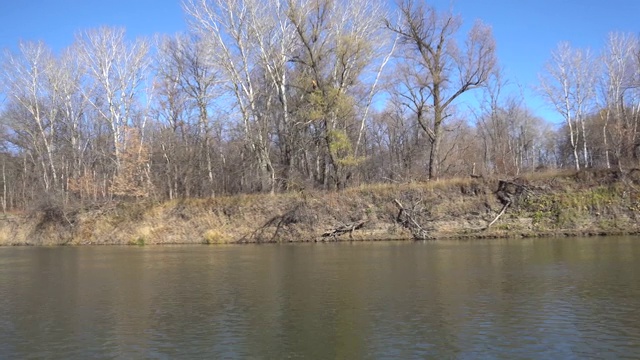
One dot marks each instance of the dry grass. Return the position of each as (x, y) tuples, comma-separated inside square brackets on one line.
[(455, 207)]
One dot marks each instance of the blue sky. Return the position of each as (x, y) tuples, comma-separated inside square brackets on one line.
[(526, 31)]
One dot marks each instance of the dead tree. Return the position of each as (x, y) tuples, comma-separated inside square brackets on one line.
[(344, 228), (407, 219)]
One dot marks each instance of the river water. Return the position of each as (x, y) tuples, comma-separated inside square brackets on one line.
[(540, 298)]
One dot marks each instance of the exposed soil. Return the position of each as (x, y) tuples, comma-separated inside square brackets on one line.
[(582, 203)]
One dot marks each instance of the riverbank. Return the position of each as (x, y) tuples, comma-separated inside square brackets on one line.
[(603, 202)]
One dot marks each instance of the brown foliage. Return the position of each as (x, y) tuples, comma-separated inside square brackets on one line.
[(132, 179)]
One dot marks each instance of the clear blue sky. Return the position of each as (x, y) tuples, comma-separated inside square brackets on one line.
[(526, 31)]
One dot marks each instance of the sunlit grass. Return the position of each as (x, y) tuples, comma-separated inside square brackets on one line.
[(558, 201)]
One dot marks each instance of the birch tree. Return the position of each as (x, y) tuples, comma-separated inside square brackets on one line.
[(619, 71), (225, 26), (584, 70), (116, 69), (66, 83), (26, 79), (275, 42), (568, 84)]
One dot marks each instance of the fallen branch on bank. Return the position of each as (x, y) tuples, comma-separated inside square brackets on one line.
[(407, 220), (504, 208), (507, 192), (344, 228)]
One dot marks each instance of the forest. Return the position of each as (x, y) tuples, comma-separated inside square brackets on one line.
[(274, 96)]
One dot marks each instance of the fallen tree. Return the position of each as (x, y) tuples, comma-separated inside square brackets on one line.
[(344, 228), (407, 219)]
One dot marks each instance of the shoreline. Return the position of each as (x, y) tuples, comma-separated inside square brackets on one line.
[(492, 236), (568, 204)]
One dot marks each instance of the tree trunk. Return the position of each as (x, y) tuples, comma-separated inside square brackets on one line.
[(434, 157)]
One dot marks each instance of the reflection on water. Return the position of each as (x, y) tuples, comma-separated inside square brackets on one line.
[(543, 298)]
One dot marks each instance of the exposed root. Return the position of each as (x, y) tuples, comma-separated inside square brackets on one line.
[(508, 192)]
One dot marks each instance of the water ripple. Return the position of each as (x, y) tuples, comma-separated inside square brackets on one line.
[(551, 298)]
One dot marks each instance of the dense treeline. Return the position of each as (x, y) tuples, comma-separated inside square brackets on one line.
[(278, 95)]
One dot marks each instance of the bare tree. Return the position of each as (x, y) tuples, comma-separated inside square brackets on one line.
[(28, 82), (224, 26), (396, 146), (188, 83), (493, 126), (73, 134), (584, 70), (512, 135), (275, 42), (173, 127), (616, 81), (568, 85), (116, 70), (440, 68)]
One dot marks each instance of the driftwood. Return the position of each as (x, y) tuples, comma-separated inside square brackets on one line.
[(344, 228), (406, 219)]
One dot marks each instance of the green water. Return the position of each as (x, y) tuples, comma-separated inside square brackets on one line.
[(540, 298)]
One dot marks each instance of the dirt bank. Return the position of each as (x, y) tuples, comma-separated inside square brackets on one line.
[(583, 203)]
